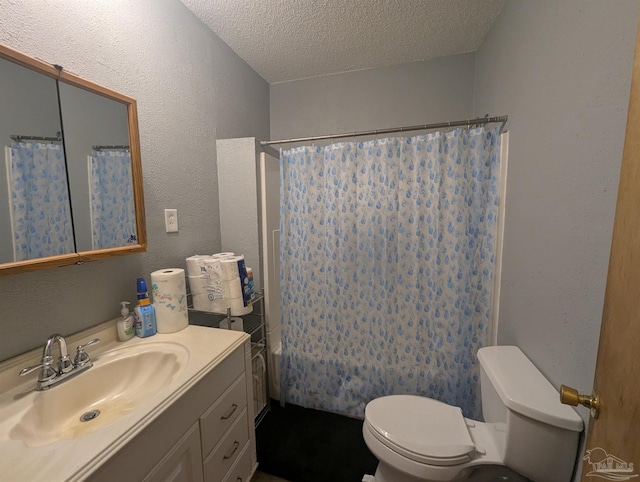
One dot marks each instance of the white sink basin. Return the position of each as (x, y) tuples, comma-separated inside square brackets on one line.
[(119, 381)]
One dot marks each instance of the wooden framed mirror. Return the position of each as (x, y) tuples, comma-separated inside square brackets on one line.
[(71, 175)]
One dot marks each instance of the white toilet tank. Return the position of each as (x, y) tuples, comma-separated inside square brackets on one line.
[(542, 435)]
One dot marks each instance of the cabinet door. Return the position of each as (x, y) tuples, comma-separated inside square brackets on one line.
[(183, 463)]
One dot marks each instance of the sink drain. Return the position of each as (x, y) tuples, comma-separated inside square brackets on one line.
[(90, 415)]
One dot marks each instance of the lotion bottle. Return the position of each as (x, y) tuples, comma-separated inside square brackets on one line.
[(125, 323)]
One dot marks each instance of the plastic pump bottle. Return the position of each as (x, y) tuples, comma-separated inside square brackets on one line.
[(145, 314), (125, 324)]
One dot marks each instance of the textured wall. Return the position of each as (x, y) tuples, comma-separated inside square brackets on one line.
[(562, 72), (292, 40), (408, 94), (239, 216), (190, 88)]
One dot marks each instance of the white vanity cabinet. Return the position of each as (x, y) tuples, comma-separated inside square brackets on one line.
[(207, 434), (183, 463)]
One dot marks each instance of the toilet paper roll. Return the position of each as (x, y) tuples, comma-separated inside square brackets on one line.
[(195, 265), (198, 285), (235, 273), (238, 307), (222, 255), (218, 289), (214, 271), (235, 288), (207, 302), (215, 281), (198, 264), (201, 302), (170, 299), (231, 267)]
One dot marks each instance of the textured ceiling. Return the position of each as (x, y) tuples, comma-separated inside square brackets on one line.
[(294, 39)]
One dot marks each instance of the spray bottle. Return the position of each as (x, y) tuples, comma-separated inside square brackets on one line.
[(145, 313)]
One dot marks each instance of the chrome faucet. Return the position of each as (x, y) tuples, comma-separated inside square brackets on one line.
[(49, 377)]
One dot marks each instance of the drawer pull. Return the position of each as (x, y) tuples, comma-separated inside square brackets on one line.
[(239, 479), (234, 407), (236, 444)]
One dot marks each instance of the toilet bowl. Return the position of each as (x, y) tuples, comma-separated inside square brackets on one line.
[(527, 431), (441, 446)]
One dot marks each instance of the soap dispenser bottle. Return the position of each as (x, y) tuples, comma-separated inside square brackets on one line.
[(125, 323)]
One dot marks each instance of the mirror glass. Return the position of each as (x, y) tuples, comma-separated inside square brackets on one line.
[(96, 140), (70, 169), (35, 213)]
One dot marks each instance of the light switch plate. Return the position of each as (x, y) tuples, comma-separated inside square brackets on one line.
[(171, 220)]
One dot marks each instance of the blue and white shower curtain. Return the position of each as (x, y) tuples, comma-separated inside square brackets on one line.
[(387, 260), (113, 217), (39, 198)]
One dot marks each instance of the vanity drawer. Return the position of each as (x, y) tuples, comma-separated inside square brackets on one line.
[(227, 451), (225, 373), (217, 420), (241, 472)]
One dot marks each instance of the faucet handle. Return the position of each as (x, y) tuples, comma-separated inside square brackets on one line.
[(47, 372), (95, 341), (82, 357)]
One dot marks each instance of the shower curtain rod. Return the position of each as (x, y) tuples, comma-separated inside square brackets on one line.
[(35, 138), (469, 122), (103, 148)]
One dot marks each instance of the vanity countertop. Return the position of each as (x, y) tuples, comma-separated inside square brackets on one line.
[(71, 459)]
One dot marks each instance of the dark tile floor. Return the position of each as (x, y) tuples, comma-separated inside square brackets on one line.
[(305, 445), (262, 477)]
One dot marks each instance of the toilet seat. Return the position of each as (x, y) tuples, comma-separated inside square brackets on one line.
[(421, 429)]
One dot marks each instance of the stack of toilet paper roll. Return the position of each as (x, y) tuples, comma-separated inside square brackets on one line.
[(170, 299), (217, 283)]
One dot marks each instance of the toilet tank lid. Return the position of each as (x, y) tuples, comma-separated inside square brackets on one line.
[(524, 390)]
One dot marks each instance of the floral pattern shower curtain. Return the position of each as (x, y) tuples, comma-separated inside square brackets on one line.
[(40, 210), (113, 217), (387, 259)]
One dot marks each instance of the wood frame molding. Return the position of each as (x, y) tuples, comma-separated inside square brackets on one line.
[(12, 55)]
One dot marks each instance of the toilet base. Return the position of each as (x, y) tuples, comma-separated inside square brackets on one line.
[(387, 473), (490, 473)]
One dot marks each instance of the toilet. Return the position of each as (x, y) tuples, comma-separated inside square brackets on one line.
[(525, 429)]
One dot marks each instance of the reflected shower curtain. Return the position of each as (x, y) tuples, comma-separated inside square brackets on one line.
[(40, 210), (113, 217), (387, 259)]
